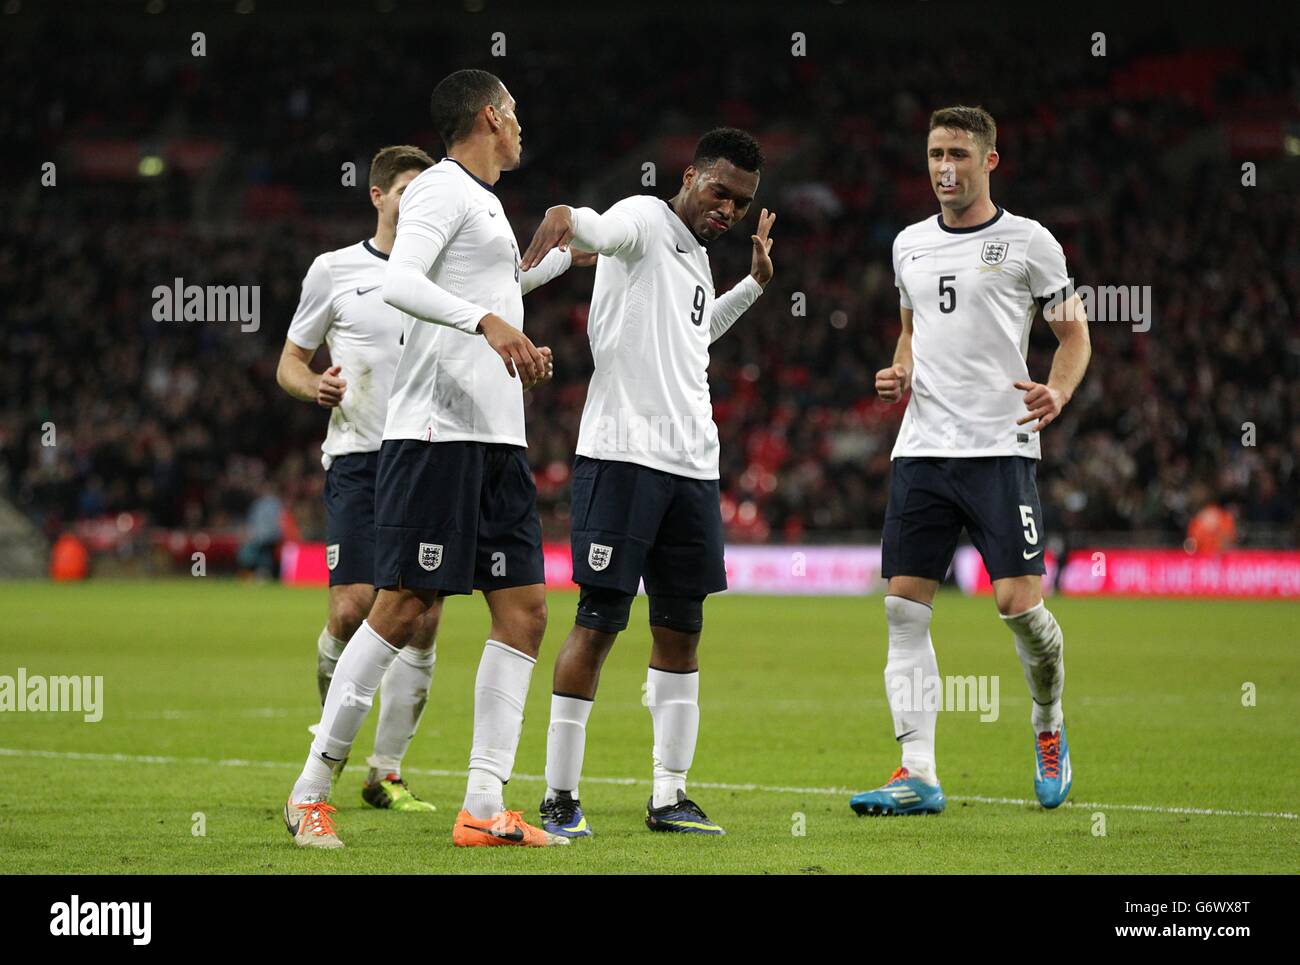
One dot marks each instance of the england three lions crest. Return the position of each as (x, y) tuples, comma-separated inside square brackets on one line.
[(598, 556), (332, 556), (994, 253), (430, 556)]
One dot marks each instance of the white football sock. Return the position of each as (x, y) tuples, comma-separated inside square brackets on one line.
[(329, 646), (402, 696), (356, 678), (1041, 648), (500, 691), (566, 740), (910, 652), (674, 700), (328, 650)]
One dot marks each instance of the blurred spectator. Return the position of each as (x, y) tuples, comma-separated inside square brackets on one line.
[(1211, 531)]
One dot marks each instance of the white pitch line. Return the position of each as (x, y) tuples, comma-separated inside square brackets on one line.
[(633, 781)]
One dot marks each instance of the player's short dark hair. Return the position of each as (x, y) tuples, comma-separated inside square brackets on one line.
[(729, 144), (457, 100), (393, 160), (976, 121)]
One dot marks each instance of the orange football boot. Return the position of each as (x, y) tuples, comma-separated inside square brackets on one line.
[(505, 827)]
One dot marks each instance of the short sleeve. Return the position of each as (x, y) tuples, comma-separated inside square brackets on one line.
[(1045, 266), (903, 299), (315, 311)]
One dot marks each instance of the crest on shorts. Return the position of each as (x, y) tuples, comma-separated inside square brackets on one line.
[(994, 253), (430, 556), (598, 556), (332, 556)]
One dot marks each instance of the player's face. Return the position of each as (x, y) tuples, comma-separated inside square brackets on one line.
[(959, 168), (510, 133), (387, 201), (717, 197)]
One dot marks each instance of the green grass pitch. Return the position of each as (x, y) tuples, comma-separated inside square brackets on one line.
[(209, 688)]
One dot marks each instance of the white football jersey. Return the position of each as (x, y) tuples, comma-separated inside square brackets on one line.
[(342, 306), (450, 385), (973, 294), (653, 315)]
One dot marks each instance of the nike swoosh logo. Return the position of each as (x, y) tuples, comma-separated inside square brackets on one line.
[(516, 835), (908, 734), (362, 291), (680, 248), (492, 214), (1029, 556), (334, 759), (921, 255)]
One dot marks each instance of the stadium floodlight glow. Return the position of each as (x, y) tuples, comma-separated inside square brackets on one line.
[(151, 166)]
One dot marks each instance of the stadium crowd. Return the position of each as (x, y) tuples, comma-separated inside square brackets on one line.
[(184, 422)]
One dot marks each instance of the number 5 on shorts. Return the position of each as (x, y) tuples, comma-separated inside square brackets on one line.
[(1027, 521)]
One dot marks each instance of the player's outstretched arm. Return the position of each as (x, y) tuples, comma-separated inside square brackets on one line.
[(730, 306), (603, 234), (555, 263), (894, 382), (295, 376), (1069, 322)]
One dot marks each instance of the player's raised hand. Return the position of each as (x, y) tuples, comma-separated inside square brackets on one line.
[(515, 348), (550, 368), (1043, 402), (760, 267), (892, 383), (555, 231), (330, 387)]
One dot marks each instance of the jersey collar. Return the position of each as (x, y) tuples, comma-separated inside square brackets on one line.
[(481, 183), (373, 250), (966, 231)]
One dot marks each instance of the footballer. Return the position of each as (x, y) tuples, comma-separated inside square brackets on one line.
[(970, 281), (645, 479), (342, 306)]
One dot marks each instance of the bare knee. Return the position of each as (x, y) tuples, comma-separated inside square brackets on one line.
[(425, 634), (674, 650), (349, 605), (915, 588), (397, 614), (521, 623), (1016, 594), (589, 644)]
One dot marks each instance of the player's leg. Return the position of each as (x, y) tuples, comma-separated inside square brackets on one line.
[(510, 571), (683, 566), (403, 695), (602, 614), (920, 535), (349, 496), (412, 571), (616, 511), (1003, 498), (348, 605), (366, 659)]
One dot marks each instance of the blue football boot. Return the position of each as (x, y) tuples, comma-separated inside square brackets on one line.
[(684, 816), (1052, 774), (562, 815), (903, 794)]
